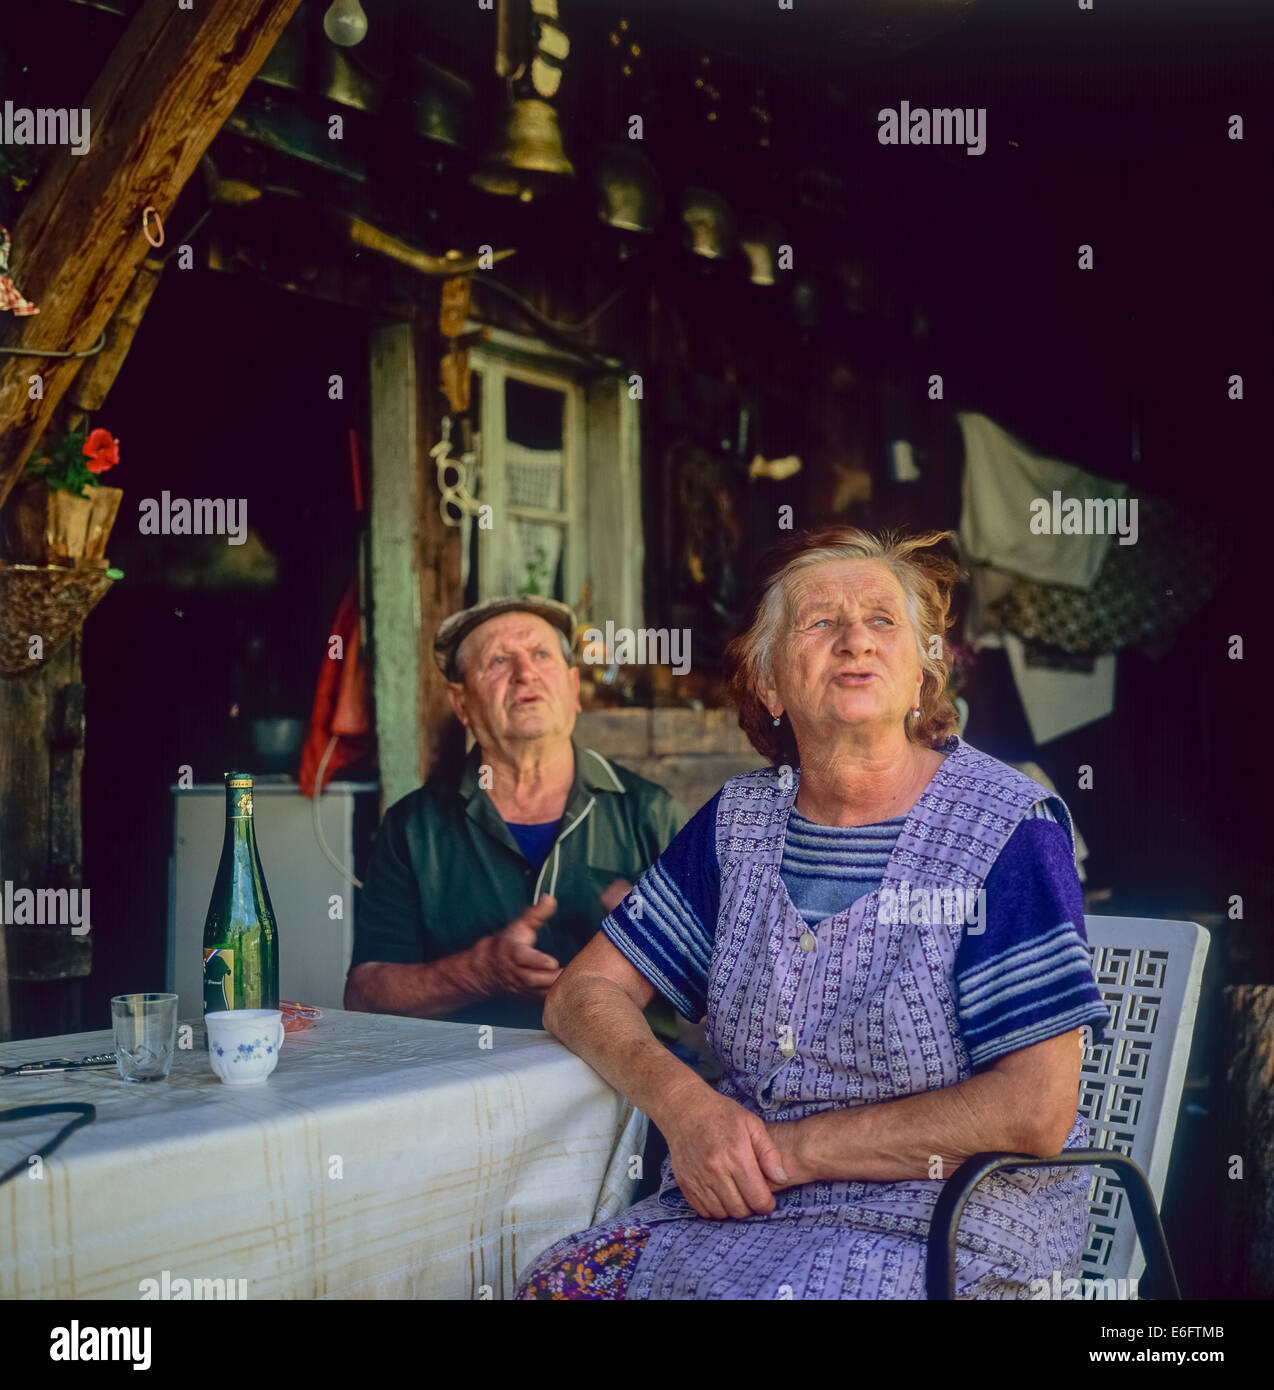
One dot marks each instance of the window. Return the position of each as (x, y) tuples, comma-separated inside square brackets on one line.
[(558, 463)]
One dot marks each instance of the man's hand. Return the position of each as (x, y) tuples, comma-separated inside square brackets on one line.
[(508, 961), (617, 890), (723, 1157)]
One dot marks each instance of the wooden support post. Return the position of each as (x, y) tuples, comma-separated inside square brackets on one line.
[(41, 754), (415, 559), (1247, 1105), (439, 550), (395, 566), (165, 91), (98, 373)]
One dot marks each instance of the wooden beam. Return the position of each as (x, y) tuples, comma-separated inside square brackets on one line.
[(396, 502), (165, 91), (415, 560), (438, 547), (98, 374), (41, 757)]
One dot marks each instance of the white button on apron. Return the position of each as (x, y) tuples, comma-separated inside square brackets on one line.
[(807, 941)]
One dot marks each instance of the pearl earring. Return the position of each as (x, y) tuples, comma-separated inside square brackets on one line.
[(776, 721)]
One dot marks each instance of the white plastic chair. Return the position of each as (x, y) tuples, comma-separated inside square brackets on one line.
[(1150, 973)]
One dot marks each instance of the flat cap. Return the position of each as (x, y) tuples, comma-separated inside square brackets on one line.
[(453, 630)]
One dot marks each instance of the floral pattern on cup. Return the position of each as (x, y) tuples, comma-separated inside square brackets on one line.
[(247, 1051)]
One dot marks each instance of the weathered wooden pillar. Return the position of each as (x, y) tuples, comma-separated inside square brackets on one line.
[(438, 549), (1247, 1109), (41, 846), (415, 559), (395, 605)]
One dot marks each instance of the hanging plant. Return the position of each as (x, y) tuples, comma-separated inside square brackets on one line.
[(60, 513), (74, 460)]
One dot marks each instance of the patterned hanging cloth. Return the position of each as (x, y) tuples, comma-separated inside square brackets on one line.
[(1142, 596), (10, 295)]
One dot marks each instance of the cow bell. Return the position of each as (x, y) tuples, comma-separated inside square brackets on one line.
[(760, 242), (443, 104), (527, 154), (809, 302), (285, 64), (628, 196), (708, 222), (348, 82)]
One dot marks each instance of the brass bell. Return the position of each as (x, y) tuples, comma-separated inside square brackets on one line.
[(627, 190), (528, 154), (347, 81), (708, 223), (442, 108), (762, 242), (809, 301), (285, 64)]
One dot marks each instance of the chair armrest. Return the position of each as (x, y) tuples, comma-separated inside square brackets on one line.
[(940, 1267)]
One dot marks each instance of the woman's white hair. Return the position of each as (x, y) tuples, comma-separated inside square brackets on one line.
[(926, 577)]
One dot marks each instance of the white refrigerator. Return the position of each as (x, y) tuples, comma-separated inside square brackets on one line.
[(313, 901)]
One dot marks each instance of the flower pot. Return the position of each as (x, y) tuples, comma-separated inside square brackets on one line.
[(51, 601), (47, 527), (106, 502)]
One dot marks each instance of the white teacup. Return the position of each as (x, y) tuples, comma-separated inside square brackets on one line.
[(243, 1044)]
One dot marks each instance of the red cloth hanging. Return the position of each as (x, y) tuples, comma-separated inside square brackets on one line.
[(342, 705)]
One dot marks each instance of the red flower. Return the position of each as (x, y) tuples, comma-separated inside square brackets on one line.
[(101, 451)]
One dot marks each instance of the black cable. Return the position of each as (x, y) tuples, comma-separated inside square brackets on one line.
[(555, 325), (82, 1111), (558, 333)]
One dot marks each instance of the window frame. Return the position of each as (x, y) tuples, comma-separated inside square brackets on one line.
[(601, 484), (493, 369)]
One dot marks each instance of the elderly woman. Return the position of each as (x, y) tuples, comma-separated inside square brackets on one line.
[(885, 932)]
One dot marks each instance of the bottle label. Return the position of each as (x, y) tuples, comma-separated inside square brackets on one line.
[(218, 979), (242, 805)]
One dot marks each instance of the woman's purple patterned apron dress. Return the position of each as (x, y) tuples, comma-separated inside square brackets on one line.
[(861, 1011)]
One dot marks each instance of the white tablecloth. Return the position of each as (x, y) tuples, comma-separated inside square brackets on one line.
[(385, 1158)]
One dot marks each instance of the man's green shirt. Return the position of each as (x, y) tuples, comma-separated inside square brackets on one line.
[(445, 870)]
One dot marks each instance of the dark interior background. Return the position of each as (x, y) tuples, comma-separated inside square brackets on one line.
[(225, 394)]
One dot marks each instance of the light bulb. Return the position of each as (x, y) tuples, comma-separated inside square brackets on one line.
[(345, 23)]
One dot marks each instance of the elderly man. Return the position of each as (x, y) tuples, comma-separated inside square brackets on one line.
[(479, 892)]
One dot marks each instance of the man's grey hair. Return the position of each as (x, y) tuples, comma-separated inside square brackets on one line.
[(458, 659)]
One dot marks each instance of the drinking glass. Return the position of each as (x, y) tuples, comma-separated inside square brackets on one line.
[(145, 1034)]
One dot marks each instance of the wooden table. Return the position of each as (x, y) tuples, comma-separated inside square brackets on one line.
[(384, 1158)]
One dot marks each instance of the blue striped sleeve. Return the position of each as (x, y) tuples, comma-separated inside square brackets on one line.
[(1026, 976), (666, 926)]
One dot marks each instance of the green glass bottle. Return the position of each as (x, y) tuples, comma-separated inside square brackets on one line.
[(240, 938)]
